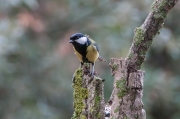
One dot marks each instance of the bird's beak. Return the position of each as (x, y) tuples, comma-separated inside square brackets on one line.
[(71, 41)]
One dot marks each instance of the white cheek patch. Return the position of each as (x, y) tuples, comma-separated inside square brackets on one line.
[(82, 40)]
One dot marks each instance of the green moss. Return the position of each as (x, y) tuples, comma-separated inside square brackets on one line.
[(80, 94), (142, 53), (97, 100), (91, 110), (116, 110), (113, 118), (138, 62), (136, 116), (85, 93), (114, 67), (82, 117), (158, 8), (121, 85), (96, 105), (98, 115), (130, 55), (148, 43), (139, 35), (160, 15), (125, 117)]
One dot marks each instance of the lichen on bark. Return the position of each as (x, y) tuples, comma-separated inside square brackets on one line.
[(88, 95), (122, 88), (144, 34), (80, 93)]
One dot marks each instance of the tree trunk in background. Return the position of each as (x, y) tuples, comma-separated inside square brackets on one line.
[(126, 98)]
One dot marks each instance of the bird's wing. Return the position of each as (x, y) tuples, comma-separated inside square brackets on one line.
[(96, 46), (100, 58), (94, 43)]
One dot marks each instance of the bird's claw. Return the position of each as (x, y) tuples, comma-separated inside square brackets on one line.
[(92, 75), (73, 79)]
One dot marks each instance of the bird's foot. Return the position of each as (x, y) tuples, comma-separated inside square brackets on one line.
[(92, 75), (73, 79)]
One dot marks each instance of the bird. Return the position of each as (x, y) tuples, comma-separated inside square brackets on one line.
[(86, 49)]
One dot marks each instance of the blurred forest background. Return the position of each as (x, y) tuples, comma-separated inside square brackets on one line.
[(37, 62)]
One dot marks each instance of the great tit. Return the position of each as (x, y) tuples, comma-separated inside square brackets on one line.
[(86, 49)]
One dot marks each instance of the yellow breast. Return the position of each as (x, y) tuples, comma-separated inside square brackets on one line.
[(92, 53)]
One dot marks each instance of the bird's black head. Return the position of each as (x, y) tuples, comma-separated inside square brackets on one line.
[(78, 38)]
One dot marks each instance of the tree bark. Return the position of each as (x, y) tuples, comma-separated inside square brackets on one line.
[(144, 34), (126, 98), (88, 95)]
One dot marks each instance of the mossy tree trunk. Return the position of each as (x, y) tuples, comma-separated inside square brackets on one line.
[(126, 98), (88, 95)]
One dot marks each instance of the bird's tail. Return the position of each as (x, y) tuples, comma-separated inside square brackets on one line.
[(100, 58)]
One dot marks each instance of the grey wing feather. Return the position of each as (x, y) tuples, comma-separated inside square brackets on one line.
[(100, 58), (97, 48)]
